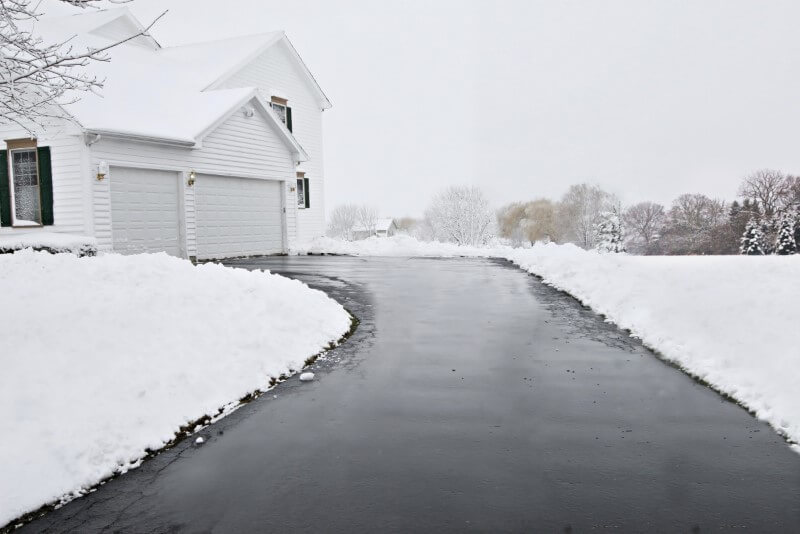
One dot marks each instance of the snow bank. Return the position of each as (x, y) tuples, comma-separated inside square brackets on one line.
[(729, 320), (80, 245), (106, 357)]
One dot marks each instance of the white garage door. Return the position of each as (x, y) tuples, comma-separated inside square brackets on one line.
[(237, 217), (144, 211)]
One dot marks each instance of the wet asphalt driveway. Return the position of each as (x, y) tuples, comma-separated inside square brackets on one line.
[(471, 398)]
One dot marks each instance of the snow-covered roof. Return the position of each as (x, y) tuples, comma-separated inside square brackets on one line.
[(381, 225), (155, 92)]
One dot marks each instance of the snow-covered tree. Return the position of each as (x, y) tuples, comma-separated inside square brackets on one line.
[(342, 220), (785, 243), (37, 77), (608, 233), (752, 243), (579, 211), (460, 215)]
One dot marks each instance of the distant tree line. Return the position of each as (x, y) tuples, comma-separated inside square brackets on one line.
[(765, 219), (762, 221)]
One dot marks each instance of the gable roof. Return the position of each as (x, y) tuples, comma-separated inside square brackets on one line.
[(223, 58), (159, 93)]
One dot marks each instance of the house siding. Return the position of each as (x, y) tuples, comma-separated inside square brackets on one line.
[(70, 185), (240, 147), (275, 72)]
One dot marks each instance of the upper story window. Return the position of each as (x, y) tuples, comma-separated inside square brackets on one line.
[(281, 108)]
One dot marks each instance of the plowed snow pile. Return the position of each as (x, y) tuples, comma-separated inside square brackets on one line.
[(105, 357)]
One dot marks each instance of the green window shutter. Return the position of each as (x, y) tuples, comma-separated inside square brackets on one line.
[(5, 191), (45, 184), (308, 192), (289, 118)]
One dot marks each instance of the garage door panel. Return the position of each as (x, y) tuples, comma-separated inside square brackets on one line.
[(238, 217), (144, 211)]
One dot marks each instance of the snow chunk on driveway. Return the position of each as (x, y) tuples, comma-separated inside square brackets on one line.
[(105, 357), (307, 377)]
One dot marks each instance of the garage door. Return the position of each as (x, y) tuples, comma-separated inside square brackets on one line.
[(237, 217), (144, 211)]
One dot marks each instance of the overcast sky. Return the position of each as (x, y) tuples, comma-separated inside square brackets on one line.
[(648, 99)]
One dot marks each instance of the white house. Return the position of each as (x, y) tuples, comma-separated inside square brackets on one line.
[(382, 228), (207, 150)]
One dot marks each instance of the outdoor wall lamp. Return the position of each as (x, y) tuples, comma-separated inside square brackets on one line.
[(102, 170), (192, 176)]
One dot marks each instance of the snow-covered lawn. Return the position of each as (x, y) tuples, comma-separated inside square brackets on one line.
[(729, 320), (107, 356)]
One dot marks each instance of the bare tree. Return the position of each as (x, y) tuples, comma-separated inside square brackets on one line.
[(694, 225), (539, 223), (579, 211), (460, 215), (36, 77), (368, 220), (509, 222), (343, 219), (769, 188), (644, 221), (407, 225)]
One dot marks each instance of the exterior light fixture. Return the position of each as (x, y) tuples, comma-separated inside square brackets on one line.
[(192, 176), (102, 170)]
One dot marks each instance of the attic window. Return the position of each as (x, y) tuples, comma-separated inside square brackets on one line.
[(281, 108)]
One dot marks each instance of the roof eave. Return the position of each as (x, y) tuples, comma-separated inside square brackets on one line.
[(142, 138)]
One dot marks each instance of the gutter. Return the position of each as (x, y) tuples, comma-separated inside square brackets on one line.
[(170, 141)]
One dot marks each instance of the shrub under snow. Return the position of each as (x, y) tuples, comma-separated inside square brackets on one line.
[(49, 242)]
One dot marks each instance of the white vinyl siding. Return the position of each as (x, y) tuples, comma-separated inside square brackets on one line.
[(274, 70), (243, 147), (145, 211), (71, 201), (238, 217)]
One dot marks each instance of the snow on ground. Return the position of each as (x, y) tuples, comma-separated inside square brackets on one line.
[(50, 241), (399, 245), (729, 320), (104, 357)]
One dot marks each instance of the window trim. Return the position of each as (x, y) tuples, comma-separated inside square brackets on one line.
[(18, 145)]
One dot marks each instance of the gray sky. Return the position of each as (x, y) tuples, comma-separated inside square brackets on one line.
[(648, 99)]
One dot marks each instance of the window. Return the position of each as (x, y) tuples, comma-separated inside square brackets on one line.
[(281, 108), (26, 184), (25, 194), (303, 193)]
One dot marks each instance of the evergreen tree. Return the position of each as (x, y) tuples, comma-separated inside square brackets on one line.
[(752, 242), (785, 243), (608, 233)]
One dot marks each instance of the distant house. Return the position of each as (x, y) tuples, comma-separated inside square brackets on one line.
[(206, 150), (383, 228)]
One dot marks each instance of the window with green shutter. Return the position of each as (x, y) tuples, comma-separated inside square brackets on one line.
[(26, 184), (303, 193)]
